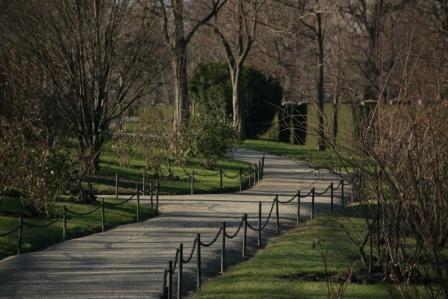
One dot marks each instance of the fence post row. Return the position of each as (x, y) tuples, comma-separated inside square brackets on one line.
[(259, 224), (223, 248), (116, 186), (313, 191), (169, 290), (138, 204), (151, 196), (157, 197), (220, 181), (241, 179), (199, 270), (262, 164), (245, 237), (102, 214), (180, 273), (144, 182), (170, 279), (192, 182), (250, 177), (255, 173), (277, 216), (298, 208), (64, 223), (19, 240), (332, 196)]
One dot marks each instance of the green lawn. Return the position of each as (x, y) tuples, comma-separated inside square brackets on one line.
[(311, 155), (273, 272), (39, 238), (132, 175)]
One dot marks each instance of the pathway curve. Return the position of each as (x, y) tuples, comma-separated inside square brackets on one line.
[(129, 261)]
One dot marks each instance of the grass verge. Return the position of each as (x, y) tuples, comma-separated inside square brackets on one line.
[(279, 270), (304, 153), (132, 175), (77, 226)]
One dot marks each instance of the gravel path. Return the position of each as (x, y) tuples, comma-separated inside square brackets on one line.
[(129, 261)]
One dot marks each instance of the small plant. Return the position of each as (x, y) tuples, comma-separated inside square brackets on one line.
[(336, 285), (123, 146)]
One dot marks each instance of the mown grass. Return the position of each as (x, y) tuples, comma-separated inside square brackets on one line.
[(39, 238), (304, 153), (272, 272), (131, 176)]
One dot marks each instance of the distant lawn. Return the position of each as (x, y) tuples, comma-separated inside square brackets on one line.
[(39, 238), (273, 272), (132, 175), (311, 155)]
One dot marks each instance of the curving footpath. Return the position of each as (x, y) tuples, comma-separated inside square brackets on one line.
[(129, 261)]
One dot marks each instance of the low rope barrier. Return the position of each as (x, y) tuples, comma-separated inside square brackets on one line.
[(269, 216), (175, 260), (288, 201), (10, 232), (251, 227), (83, 214), (323, 192), (308, 194), (40, 226), (186, 261), (123, 202), (213, 241), (237, 230), (231, 176), (168, 288)]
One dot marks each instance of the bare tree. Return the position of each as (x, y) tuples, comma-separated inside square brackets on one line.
[(174, 19), (237, 33), (96, 57)]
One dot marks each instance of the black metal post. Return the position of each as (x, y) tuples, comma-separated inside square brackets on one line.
[(250, 177), (313, 191), (116, 186), (259, 170), (277, 216), (262, 165), (259, 224), (144, 182), (245, 237), (192, 183), (64, 223), (342, 194), (241, 179), (255, 174), (170, 279), (157, 197), (180, 273), (298, 208), (151, 195), (223, 248), (138, 204), (19, 240), (220, 181), (332, 196), (199, 268), (102, 214)]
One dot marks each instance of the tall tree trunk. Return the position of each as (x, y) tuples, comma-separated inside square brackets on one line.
[(237, 106), (182, 103), (90, 151), (182, 109), (320, 83)]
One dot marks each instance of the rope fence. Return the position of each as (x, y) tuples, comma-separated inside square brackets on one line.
[(198, 245), (64, 217)]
